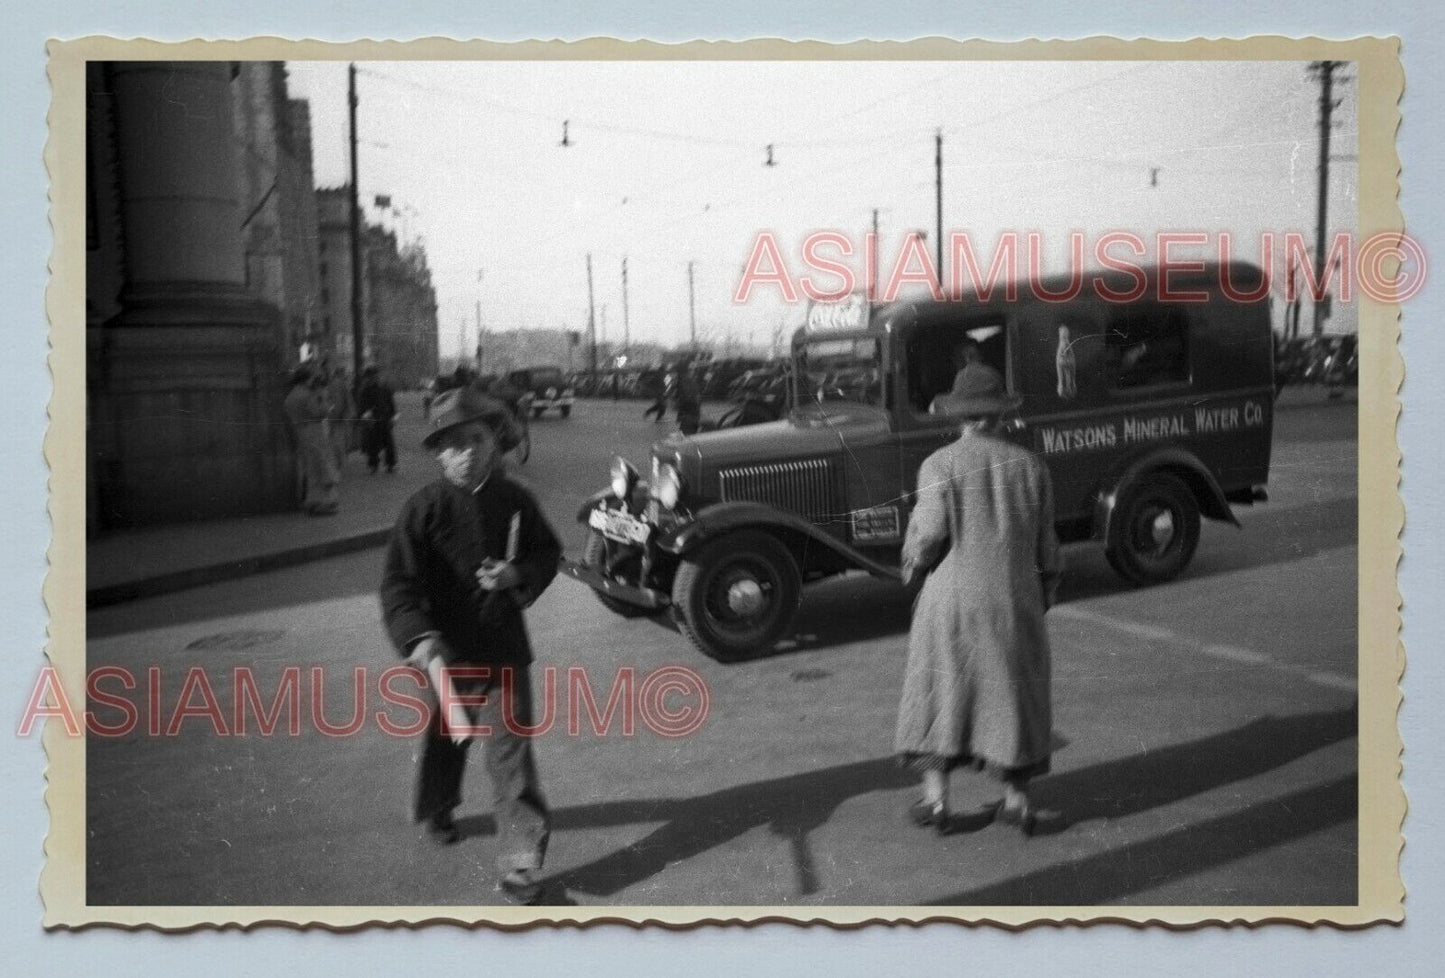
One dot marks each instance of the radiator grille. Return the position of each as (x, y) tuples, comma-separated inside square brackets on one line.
[(807, 488)]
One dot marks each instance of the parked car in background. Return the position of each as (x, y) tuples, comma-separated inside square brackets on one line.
[(549, 389), (719, 375)]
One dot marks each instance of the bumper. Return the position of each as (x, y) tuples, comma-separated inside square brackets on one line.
[(640, 596)]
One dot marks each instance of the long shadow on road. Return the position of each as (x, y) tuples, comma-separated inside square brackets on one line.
[(793, 806), (1114, 875), (1155, 778)]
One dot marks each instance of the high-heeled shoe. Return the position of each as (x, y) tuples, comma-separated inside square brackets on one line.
[(1022, 817), (929, 814)]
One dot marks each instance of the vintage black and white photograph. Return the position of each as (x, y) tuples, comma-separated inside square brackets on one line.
[(828, 483)]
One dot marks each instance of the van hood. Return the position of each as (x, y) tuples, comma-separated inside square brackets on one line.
[(807, 433)]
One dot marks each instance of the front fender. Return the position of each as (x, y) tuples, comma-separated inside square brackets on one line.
[(713, 521), (1177, 462)]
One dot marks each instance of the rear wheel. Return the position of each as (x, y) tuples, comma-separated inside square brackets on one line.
[(619, 562), (737, 595), (1154, 531)]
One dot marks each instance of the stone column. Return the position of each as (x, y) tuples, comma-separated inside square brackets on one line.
[(187, 422)]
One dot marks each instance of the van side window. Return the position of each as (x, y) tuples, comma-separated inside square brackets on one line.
[(938, 352), (1146, 345)]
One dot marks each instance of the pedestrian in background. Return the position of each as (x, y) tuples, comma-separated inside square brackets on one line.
[(687, 402), (308, 409), (377, 405), (659, 388), (981, 544), (468, 553), (343, 414)]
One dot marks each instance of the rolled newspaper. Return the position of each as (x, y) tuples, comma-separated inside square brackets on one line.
[(457, 718)]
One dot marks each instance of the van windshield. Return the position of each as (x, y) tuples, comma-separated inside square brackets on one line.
[(841, 370)]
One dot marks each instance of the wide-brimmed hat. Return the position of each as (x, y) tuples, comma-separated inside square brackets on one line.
[(463, 404), (979, 390)]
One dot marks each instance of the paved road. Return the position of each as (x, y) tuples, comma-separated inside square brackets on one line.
[(1207, 732)]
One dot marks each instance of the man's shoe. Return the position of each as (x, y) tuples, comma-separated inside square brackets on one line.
[(520, 887), (442, 830)]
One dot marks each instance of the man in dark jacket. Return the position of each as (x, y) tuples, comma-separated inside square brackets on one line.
[(468, 553), (377, 406), (687, 401)]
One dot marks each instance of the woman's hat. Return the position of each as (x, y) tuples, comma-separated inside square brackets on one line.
[(979, 390), (463, 404)]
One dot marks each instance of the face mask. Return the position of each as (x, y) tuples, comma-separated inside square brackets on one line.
[(467, 461)]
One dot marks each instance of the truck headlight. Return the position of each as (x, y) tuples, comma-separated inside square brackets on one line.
[(624, 477), (667, 485)]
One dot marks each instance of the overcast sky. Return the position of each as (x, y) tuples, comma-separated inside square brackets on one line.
[(666, 165)]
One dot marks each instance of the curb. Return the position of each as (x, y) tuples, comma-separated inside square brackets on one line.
[(181, 580)]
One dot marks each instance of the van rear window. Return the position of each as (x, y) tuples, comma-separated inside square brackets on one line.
[(1146, 345)]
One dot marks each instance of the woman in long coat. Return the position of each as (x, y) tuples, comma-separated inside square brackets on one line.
[(981, 539), (307, 408)]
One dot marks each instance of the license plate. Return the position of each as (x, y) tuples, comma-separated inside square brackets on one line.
[(619, 526)]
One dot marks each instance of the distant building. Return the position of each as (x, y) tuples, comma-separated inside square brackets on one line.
[(280, 198), (333, 255), (399, 307)]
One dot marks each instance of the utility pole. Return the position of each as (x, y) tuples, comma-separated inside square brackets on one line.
[(480, 275), (626, 326), (938, 197), (691, 309), (1326, 72), (873, 272), (358, 331), (591, 317), (479, 335)]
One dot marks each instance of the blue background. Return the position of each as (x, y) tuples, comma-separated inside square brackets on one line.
[(25, 388)]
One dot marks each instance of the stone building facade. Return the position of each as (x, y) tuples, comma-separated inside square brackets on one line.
[(200, 261)]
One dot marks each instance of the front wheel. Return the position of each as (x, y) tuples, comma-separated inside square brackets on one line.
[(1155, 530), (566, 410), (736, 596)]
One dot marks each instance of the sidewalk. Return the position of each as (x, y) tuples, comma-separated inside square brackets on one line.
[(131, 564)]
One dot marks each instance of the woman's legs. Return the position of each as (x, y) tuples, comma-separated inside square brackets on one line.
[(935, 788)]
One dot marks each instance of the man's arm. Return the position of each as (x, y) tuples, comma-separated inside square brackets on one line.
[(539, 550), (405, 610)]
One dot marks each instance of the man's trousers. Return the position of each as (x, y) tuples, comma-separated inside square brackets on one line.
[(518, 805)]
